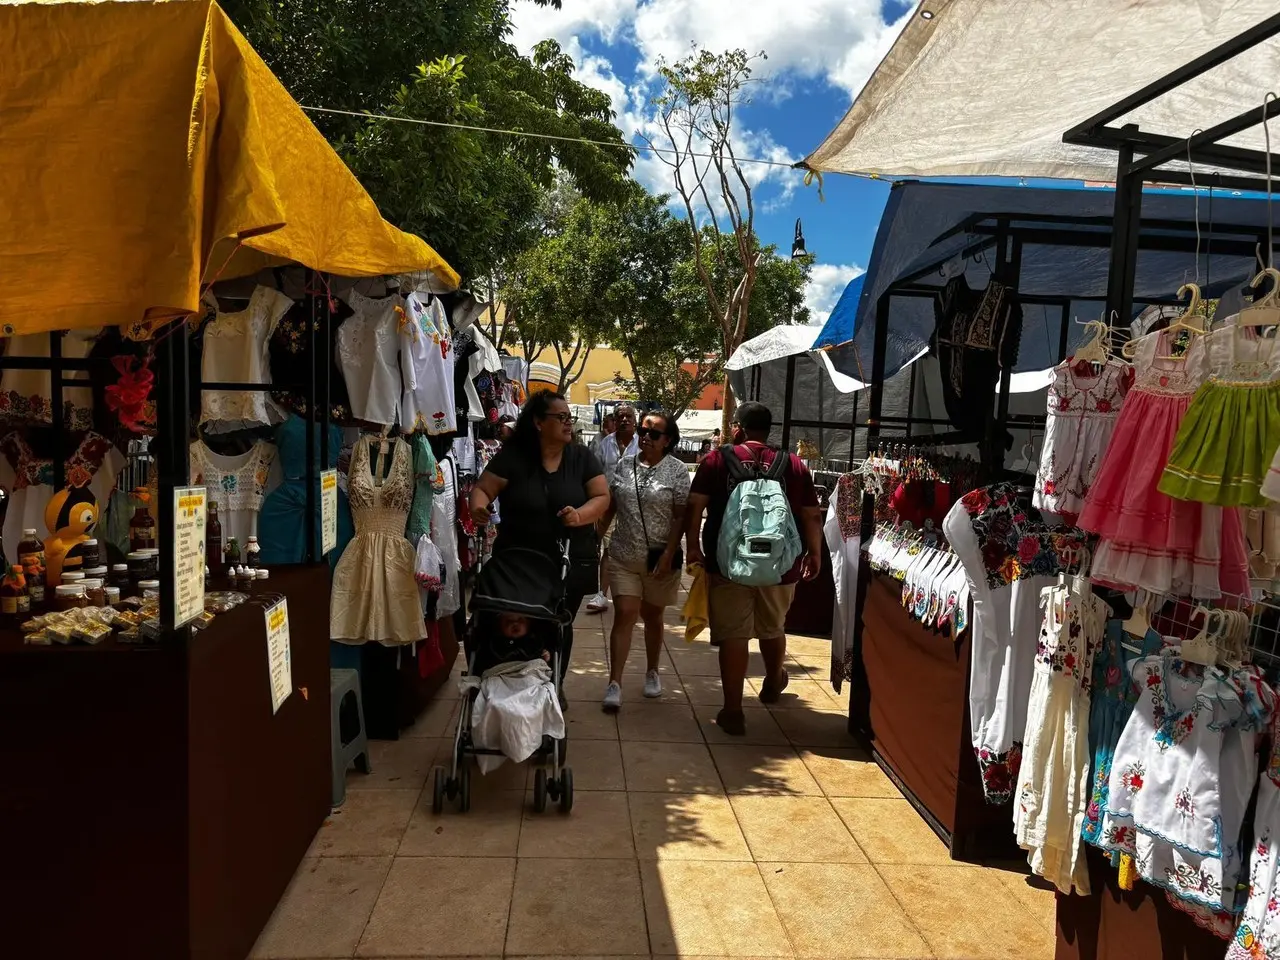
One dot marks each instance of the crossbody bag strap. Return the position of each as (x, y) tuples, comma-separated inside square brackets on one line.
[(635, 477)]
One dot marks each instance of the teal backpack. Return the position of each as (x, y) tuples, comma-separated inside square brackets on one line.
[(758, 540)]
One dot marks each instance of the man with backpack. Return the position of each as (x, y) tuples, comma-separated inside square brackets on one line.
[(763, 533)]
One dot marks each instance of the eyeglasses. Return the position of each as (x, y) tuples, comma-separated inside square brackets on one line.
[(565, 418), (651, 433)]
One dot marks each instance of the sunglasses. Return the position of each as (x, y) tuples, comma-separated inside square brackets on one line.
[(651, 433), (565, 418)]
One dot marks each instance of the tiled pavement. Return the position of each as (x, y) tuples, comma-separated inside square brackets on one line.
[(682, 842)]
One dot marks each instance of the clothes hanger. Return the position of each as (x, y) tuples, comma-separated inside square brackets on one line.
[(1203, 647), (1095, 352)]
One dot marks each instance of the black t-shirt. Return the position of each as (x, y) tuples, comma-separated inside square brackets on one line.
[(532, 497)]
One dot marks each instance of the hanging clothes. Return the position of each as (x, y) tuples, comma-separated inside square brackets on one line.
[(1082, 414), (846, 555), (444, 534), (237, 484), (375, 596), (235, 351), (1009, 555), (428, 480), (282, 521), (1053, 783), (291, 359), (1258, 935), (427, 359), (1150, 540), (26, 396), (1231, 432), (368, 353), (95, 464)]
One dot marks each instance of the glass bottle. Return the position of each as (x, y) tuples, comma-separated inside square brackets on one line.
[(142, 529), (213, 557), (31, 559), (14, 601), (252, 552), (233, 552)]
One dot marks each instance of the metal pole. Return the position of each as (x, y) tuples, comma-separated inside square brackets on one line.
[(786, 402), (58, 450), (1124, 240), (313, 548)]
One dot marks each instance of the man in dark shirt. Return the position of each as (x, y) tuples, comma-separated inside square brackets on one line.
[(739, 613)]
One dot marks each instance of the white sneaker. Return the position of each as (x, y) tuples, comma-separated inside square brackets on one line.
[(652, 684), (597, 604), (612, 702)]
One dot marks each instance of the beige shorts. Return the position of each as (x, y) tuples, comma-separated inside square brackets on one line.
[(606, 538), (747, 613), (633, 580)]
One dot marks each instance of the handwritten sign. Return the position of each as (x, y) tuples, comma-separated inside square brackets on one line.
[(189, 511), (328, 510), (279, 665)]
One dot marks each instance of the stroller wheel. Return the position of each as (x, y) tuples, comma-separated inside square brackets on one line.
[(464, 789), (438, 792), (566, 790), (539, 790)]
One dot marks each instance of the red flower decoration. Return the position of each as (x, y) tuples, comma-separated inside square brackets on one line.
[(127, 397), (1104, 405)]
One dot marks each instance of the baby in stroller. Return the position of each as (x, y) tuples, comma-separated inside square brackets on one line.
[(510, 696)]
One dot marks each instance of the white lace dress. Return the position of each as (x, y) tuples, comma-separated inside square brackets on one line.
[(235, 351), (375, 596), (1053, 789), (368, 353), (237, 484), (1258, 935), (1081, 417)]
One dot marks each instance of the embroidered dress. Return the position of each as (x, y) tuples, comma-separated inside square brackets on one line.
[(95, 464), (1258, 935), (1053, 782), (1082, 413), (1231, 431), (1009, 555), (1149, 540), (26, 396), (375, 595), (282, 521), (1112, 701), (1169, 805), (235, 351), (237, 484), (427, 360), (368, 344)]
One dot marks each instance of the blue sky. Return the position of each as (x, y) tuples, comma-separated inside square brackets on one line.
[(820, 53)]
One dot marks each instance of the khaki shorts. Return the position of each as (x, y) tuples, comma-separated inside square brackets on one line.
[(633, 580), (606, 538), (747, 613)]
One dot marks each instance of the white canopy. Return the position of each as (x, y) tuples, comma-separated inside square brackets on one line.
[(778, 343), (988, 87)]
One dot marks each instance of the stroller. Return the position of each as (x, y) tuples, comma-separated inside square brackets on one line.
[(516, 581)]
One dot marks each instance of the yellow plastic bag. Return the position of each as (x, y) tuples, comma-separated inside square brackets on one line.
[(695, 607)]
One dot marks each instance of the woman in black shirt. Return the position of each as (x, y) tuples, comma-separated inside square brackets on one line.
[(550, 488)]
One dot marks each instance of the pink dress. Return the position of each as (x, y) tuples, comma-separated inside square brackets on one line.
[(1151, 541), (1081, 418)]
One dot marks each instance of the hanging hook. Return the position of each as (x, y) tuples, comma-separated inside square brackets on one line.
[(1191, 168), (1266, 133)]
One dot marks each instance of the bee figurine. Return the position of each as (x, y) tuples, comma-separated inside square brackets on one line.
[(70, 516)]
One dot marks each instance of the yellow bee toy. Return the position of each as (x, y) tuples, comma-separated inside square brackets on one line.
[(70, 516)]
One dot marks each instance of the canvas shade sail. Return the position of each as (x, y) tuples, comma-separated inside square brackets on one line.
[(988, 87), (146, 148)]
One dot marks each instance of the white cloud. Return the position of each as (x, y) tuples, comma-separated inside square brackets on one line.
[(826, 282), (839, 41)]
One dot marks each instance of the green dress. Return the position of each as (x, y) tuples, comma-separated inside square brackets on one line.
[(427, 481)]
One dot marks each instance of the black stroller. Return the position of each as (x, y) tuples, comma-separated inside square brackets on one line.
[(518, 581)]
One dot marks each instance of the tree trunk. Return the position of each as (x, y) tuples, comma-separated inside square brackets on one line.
[(730, 405)]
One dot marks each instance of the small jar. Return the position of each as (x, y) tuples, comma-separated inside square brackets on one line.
[(262, 574), (98, 573), (111, 595), (93, 592), (73, 576), (69, 596), (137, 564), (252, 553), (90, 553), (119, 577), (150, 589)]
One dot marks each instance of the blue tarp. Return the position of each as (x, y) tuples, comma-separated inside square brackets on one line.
[(839, 326), (924, 227)]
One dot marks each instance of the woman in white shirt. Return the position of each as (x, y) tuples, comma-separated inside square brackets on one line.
[(650, 489)]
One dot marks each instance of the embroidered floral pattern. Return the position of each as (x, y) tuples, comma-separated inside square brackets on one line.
[(1183, 803), (999, 773), (1133, 777), (1013, 537), (30, 470), (1184, 878), (1121, 837)]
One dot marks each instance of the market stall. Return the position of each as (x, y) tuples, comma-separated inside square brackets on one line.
[(171, 758), (1107, 649)]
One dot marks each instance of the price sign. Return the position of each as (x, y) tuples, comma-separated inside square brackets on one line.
[(328, 510), (278, 653), (189, 511)]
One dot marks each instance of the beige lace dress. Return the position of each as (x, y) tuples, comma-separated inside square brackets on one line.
[(375, 597)]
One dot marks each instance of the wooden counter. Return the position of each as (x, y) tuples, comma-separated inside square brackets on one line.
[(152, 806)]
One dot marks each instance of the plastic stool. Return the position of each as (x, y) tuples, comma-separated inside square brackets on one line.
[(344, 692)]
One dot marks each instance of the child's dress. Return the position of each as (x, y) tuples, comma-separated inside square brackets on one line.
[(1258, 935), (1082, 413), (1150, 540), (1053, 782), (1231, 430)]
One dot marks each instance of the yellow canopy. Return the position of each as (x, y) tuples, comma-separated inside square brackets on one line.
[(145, 148)]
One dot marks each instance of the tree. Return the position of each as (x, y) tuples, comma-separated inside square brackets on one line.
[(472, 195), (696, 112)]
